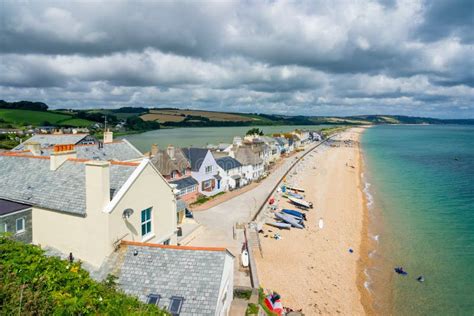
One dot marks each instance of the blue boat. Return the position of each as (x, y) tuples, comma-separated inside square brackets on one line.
[(289, 219), (294, 213)]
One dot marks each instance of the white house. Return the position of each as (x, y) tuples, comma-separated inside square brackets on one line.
[(251, 161), (231, 171), (205, 170), (88, 207)]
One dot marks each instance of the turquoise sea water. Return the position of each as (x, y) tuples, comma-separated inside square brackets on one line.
[(422, 183)]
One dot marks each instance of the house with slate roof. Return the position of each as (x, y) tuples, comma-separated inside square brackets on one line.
[(231, 171), (15, 219), (282, 145), (205, 170), (182, 280), (49, 140), (86, 148), (87, 207)]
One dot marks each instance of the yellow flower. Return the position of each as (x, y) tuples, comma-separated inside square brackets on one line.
[(75, 269)]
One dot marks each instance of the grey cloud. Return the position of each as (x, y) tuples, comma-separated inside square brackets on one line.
[(308, 57)]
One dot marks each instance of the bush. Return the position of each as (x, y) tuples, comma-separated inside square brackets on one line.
[(34, 284)]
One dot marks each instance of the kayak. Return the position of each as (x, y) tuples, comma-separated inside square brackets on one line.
[(299, 220), (294, 213), (295, 195), (300, 202), (279, 225), (290, 220), (295, 189)]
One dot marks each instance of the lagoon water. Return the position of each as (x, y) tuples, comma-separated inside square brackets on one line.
[(202, 136), (422, 183)]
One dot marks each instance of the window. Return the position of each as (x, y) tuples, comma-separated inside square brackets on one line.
[(208, 169), (207, 185), (146, 222), (166, 242), (176, 302), (5, 228), (153, 299), (20, 225), (187, 190)]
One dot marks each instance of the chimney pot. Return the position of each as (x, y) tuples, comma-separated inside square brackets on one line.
[(60, 154), (108, 136)]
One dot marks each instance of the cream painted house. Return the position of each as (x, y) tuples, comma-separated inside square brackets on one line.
[(87, 207)]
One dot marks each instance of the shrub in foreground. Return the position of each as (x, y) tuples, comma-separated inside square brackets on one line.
[(32, 283)]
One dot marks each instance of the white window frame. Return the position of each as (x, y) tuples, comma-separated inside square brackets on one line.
[(150, 220), (23, 225), (208, 169)]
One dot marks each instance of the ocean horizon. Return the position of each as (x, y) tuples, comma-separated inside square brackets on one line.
[(420, 195)]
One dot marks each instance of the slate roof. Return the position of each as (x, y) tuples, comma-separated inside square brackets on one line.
[(166, 165), (184, 182), (30, 180), (194, 275), (120, 151), (7, 207), (49, 140), (281, 141), (195, 156), (228, 163)]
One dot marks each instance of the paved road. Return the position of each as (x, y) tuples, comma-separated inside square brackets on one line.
[(219, 220)]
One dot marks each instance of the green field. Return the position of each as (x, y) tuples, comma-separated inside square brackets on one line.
[(38, 118)]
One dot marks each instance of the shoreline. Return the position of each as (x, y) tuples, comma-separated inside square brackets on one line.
[(319, 273), (366, 243)]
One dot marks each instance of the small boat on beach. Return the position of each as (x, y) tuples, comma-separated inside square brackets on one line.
[(295, 189), (245, 258), (295, 195), (290, 220), (279, 225), (298, 219), (294, 213), (300, 202)]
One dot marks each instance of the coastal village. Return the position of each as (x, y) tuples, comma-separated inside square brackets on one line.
[(144, 217)]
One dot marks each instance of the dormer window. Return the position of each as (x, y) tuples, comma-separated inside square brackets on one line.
[(208, 169)]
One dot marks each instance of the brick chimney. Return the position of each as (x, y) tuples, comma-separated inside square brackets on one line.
[(97, 185), (60, 154), (154, 149), (108, 136), (170, 151), (34, 147)]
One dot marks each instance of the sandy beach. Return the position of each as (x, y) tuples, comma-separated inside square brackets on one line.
[(313, 269)]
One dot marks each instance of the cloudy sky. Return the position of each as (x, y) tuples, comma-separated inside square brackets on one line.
[(289, 57)]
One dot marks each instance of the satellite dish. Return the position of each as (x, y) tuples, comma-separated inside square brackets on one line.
[(127, 213)]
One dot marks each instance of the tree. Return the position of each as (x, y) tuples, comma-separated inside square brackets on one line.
[(255, 131)]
